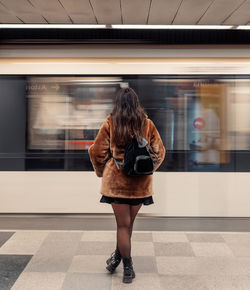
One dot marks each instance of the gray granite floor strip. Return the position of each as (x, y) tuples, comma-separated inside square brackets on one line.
[(107, 222)]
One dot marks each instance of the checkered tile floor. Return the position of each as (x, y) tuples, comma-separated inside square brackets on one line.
[(70, 260)]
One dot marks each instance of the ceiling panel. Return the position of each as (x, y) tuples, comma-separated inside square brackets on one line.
[(107, 11), (7, 17), (191, 11), (135, 12), (52, 10), (23, 10), (80, 11), (219, 11), (235, 12), (163, 11), (241, 15)]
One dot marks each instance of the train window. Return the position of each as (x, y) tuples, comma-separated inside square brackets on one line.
[(204, 121), (65, 114), (191, 116)]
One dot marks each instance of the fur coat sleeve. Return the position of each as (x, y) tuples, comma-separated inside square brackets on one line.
[(156, 148), (99, 152)]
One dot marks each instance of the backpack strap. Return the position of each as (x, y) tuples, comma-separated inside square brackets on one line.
[(116, 162)]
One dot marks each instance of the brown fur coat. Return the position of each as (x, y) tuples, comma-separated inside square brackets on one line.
[(114, 182)]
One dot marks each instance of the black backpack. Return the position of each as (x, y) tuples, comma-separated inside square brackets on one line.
[(137, 159)]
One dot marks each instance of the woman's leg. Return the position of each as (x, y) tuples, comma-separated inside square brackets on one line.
[(133, 212), (123, 221)]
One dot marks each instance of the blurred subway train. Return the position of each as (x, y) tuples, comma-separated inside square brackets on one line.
[(54, 99)]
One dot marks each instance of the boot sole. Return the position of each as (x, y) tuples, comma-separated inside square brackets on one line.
[(110, 268), (127, 279)]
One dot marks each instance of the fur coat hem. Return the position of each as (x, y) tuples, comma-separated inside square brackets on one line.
[(121, 195)]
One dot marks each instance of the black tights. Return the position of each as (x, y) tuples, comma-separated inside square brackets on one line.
[(125, 215)]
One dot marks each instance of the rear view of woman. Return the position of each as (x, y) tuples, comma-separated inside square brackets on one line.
[(126, 194)]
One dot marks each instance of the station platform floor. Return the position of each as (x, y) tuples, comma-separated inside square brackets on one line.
[(43, 253)]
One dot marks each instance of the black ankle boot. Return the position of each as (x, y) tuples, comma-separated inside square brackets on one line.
[(114, 261), (128, 271)]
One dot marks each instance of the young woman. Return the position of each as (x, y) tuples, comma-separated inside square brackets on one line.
[(126, 194)]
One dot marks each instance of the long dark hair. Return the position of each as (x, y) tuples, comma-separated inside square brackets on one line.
[(128, 117)]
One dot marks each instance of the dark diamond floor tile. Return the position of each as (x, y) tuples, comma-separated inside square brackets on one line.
[(4, 236), (11, 266)]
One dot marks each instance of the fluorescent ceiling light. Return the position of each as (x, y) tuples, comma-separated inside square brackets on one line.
[(56, 62), (75, 26), (172, 26), (243, 27), (120, 26)]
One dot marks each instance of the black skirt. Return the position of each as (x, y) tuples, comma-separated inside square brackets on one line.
[(132, 201)]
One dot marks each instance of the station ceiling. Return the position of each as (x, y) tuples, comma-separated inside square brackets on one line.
[(164, 12)]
